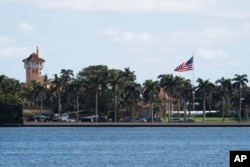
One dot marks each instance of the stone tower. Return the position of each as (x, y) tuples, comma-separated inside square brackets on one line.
[(33, 66)]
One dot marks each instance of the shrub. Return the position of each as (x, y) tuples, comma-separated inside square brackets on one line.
[(10, 109)]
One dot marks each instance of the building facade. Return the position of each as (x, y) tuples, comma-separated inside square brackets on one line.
[(33, 66)]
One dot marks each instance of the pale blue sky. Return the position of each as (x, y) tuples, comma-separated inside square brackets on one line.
[(151, 37)]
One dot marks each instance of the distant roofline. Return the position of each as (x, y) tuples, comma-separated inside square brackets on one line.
[(34, 57)]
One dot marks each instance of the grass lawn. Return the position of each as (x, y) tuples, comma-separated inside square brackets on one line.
[(219, 119), (215, 119)]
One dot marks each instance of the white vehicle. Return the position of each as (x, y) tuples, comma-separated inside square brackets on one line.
[(71, 120), (64, 118), (91, 118)]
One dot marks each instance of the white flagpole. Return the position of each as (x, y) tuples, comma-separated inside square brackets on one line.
[(193, 84)]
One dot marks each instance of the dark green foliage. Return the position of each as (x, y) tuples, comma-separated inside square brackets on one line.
[(217, 114), (10, 104), (115, 93), (10, 109)]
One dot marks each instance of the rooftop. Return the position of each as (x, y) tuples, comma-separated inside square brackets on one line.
[(34, 57)]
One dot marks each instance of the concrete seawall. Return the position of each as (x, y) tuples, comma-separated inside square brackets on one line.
[(135, 124)]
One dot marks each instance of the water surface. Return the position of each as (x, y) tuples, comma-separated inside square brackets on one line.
[(120, 146)]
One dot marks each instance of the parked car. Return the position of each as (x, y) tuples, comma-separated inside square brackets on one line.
[(64, 117), (86, 119), (125, 119), (175, 119), (71, 120), (40, 118), (155, 119), (102, 119), (140, 119), (55, 119), (31, 119), (143, 119)]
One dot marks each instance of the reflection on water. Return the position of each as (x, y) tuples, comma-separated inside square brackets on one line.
[(120, 146)]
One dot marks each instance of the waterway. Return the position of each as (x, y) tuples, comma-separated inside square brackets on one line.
[(120, 146)]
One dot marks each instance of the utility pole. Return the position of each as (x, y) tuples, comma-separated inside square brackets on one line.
[(59, 107), (77, 108)]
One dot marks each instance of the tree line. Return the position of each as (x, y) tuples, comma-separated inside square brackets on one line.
[(115, 93)]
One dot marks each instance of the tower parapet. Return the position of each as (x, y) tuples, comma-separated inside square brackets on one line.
[(33, 66)]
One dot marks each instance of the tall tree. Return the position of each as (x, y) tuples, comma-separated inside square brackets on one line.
[(240, 83), (167, 82), (224, 90), (178, 91), (9, 85), (129, 76), (96, 77), (132, 93), (182, 91), (39, 93), (150, 92), (10, 103), (77, 88), (67, 76), (117, 82), (66, 79), (204, 90), (56, 91)]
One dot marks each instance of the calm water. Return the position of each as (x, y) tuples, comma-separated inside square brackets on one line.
[(119, 146)]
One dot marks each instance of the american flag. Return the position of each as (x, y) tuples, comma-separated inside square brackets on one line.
[(186, 66)]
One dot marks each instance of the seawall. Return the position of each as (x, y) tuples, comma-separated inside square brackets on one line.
[(135, 124)]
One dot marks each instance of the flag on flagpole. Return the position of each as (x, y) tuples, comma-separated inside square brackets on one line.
[(186, 66)]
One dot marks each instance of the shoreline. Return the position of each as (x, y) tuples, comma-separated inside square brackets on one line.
[(128, 124)]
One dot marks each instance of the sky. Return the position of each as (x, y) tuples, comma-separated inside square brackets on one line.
[(151, 37)]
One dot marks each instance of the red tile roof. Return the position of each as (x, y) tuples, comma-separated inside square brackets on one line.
[(34, 57)]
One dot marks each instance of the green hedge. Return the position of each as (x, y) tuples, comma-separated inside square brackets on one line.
[(10, 109)]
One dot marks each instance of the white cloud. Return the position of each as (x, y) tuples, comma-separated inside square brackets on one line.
[(125, 36), (212, 54), (117, 6), (209, 8), (209, 35), (4, 40), (234, 63), (25, 28), (14, 52), (187, 37), (225, 34)]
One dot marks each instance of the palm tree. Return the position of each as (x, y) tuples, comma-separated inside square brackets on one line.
[(129, 76), (178, 90), (66, 78), (66, 75), (116, 81), (57, 90), (240, 82), (224, 89), (150, 92), (76, 89), (39, 89), (167, 82), (9, 85), (132, 93), (182, 91), (96, 77), (204, 89)]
